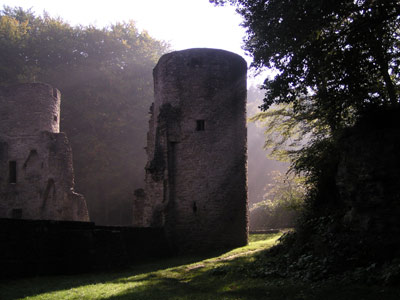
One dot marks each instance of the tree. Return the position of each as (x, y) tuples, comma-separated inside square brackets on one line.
[(335, 59), (282, 202), (335, 62), (259, 164), (337, 65), (104, 76)]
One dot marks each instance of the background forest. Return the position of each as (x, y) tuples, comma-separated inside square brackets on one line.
[(105, 79)]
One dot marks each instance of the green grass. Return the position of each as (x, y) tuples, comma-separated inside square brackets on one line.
[(226, 276)]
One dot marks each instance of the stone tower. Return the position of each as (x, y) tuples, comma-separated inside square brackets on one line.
[(36, 174), (196, 174)]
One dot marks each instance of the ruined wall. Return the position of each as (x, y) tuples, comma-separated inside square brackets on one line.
[(368, 175), (196, 175), (36, 174), (40, 247)]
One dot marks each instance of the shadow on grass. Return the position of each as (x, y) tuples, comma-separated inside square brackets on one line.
[(28, 287)]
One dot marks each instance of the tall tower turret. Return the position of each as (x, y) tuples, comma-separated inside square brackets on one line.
[(196, 175), (36, 173)]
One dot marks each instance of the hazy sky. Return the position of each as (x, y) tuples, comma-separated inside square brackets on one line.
[(183, 23)]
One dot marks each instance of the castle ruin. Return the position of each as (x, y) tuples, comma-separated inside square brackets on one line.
[(36, 174), (196, 174)]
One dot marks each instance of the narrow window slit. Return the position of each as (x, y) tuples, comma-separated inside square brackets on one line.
[(12, 171), (200, 125)]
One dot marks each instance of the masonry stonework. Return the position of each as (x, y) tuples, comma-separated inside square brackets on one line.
[(36, 174), (196, 174)]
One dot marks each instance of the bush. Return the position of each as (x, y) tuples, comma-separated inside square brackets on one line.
[(282, 203)]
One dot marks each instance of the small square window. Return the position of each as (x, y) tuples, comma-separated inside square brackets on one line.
[(200, 125)]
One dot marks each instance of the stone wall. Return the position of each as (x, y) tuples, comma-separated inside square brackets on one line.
[(36, 174), (196, 175), (37, 247), (368, 178)]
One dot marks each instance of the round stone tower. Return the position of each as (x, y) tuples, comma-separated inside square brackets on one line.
[(196, 176), (30, 109), (36, 173)]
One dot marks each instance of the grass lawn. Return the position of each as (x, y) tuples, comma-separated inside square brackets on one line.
[(226, 276)]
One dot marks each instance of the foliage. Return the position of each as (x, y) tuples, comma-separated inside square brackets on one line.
[(287, 190), (282, 202), (336, 63), (333, 58), (286, 132), (104, 76), (341, 256), (259, 164)]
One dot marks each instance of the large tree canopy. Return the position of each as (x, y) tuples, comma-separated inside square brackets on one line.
[(336, 61), (337, 65), (335, 58), (104, 76)]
